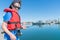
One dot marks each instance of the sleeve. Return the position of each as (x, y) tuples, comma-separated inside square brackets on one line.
[(7, 17)]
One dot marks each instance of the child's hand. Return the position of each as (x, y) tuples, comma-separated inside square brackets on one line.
[(24, 27), (13, 37)]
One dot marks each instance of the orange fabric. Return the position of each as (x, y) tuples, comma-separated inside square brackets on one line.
[(15, 18)]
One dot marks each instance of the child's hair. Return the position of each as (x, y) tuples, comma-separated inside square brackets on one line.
[(18, 1)]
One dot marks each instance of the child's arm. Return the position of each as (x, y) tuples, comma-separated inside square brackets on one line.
[(4, 27)]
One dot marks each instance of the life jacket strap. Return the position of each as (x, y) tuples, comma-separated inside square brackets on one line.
[(13, 22)]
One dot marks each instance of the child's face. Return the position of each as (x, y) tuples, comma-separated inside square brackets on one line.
[(16, 6)]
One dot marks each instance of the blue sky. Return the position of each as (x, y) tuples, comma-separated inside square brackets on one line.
[(34, 10)]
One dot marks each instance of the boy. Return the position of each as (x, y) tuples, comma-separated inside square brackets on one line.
[(12, 21)]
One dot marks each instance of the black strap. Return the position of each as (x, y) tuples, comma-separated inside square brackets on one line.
[(13, 22)]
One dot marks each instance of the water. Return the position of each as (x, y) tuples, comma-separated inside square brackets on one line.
[(45, 32)]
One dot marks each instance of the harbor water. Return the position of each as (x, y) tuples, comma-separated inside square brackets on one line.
[(44, 32)]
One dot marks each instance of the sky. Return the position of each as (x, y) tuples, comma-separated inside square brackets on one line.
[(34, 10)]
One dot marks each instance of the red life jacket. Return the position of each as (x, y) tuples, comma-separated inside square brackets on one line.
[(15, 20)]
